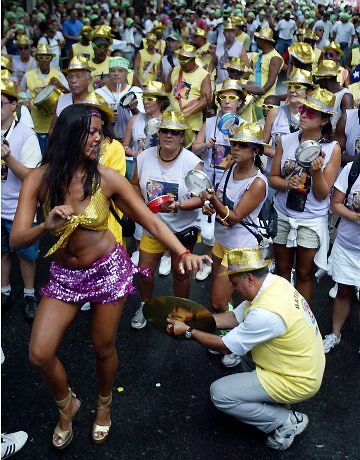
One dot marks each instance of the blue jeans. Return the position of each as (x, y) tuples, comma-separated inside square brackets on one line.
[(29, 253)]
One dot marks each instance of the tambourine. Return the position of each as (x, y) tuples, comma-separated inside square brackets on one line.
[(197, 182), (157, 309), (157, 203), (227, 121), (152, 127), (127, 99), (306, 152)]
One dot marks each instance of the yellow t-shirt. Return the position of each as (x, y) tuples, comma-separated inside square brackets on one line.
[(186, 90), (291, 366), (101, 69), (355, 91), (149, 65), (355, 57), (265, 66), (81, 50)]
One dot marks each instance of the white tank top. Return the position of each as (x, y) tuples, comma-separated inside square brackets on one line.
[(224, 57), (337, 107), (158, 180), (313, 206), (352, 132), (64, 101), (166, 67), (140, 141), (19, 67), (237, 236)]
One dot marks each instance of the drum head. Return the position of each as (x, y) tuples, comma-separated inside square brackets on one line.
[(44, 94), (152, 127), (197, 182), (307, 152), (157, 203), (227, 121), (127, 99), (195, 315)]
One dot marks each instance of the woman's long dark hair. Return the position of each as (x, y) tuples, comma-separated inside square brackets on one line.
[(326, 130), (64, 154)]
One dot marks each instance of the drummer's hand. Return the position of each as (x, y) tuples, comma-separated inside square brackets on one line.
[(317, 164), (133, 104), (293, 182), (102, 82), (193, 263), (58, 215), (56, 82), (232, 129), (212, 49), (175, 327), (208, 209), (5, 150), (207, 195), (210, 142), (169, 207)]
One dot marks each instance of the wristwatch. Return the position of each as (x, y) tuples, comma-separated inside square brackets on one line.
[(188, 333)]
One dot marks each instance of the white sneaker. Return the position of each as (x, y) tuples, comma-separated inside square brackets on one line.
[(165, 266), (86, 306), (139, 321), (12, 443), (333, 291), (135, 256), (284, 436), (231, 360), (331, 341), (204, 273), (213, 352)]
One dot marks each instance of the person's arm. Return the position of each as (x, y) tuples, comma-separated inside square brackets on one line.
[(252, 88), (244, 57), (205, 98), (269, 151), (324, 180), (19, 170), (168, 86), (338, 207), (137, 64), (274, 70), (347, 102), (341, 138), (53, 121), (199, 144), (128, 138)]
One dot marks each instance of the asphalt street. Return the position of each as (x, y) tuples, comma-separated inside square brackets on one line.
[(165, 412)]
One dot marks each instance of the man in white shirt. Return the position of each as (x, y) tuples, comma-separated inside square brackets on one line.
[(343, 33), (286, 29), (54, 43), (326, 24)]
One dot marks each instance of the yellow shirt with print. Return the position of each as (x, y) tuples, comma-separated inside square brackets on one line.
[(83, 50), (290, 367), (265, 67), (149, 65)]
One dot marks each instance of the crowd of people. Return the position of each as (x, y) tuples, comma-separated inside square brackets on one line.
[(105, 110)]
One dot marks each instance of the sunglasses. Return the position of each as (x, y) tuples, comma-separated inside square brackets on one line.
[(330, 54), (295, 86), (44, 58), (240, 145), (149, 98), (268, 106), (184, 60), (228, 97), (23, 48), (173, 132), (308, 111)]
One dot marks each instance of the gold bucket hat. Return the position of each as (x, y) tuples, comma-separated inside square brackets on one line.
[(229, 25), (43, 50), (301, 51), (158, 26), (265, 34), (245, 260), (326, 68), (239, 65), (102, 32), (188, 51), (172, 119), (22, 39), (310, 34), (6, 63), (301, 76), (87, 30), (79, 63), (155, 88), (321, 100), (248, 132), (200, 32), (8, 87), (229, 84), (334, 47), (98, 102)]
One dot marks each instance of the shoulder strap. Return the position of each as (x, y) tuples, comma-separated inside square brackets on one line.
[(353, 175)]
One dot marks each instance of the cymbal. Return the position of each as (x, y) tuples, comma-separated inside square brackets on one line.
[(157, 309)]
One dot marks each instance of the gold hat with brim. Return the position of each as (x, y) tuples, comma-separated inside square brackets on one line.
[(22, 39), (300, 76), (155, 88), (326, 68), (172, 119), (7, 75), (229, 84), (6, 63), (86, 30), (188, 51), (301, 51), (229, 25), (43, 50), (200, 33), (321, 100), (78, 63), (8, 88), (98, 102), (158, 26), (102, 32), (239, 65), (265, 34), (245, 260), (310, 34), (151, 37), (248, 132), (334, 47)]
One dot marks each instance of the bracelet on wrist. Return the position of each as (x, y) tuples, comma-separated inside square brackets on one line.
[(184, 253), (223, 219)]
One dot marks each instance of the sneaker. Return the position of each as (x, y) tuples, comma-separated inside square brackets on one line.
[(284, 436), (6, 299), (12, 443), (139, 321), (165, 266), (30, 307), (231, 360), (204, 273), (333, 291), (86, 306), (213, 352), (135, 257), (331, 341)]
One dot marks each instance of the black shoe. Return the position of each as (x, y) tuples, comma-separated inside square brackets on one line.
[(30, 307), (6, 300)]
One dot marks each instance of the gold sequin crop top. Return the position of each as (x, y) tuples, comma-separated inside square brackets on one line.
[(93, 217)]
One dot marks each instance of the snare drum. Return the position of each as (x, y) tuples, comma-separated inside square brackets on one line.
[(226, 121), (47, 99), (127, 99), (306, 152)]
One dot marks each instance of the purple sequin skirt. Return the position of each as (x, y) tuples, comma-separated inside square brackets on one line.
[(108, 279)]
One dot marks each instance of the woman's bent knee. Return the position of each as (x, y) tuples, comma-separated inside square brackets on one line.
[(39, 357)]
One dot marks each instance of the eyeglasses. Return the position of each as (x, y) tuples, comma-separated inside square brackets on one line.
[(174, 132), (239, 144), (295, 86), (23, 48), (5, 103), (228, 97), (149, 98), (43, 58), (309, 112), (269, 106), (184, 60)]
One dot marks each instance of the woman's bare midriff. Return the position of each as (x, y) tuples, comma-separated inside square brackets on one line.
[(85, 247)]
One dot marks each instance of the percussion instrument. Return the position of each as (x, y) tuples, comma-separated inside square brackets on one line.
[(226, 121), (306, 152), (157, 309), (156, 204), (197, 182), (47, 99), (152, 127), (127, 99)]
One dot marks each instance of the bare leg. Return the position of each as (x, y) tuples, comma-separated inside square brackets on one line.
[(222, 289), (5, 268), (146, 285), (304, 271), (181, 282), (341, 308), (28, 269), (284, 260)]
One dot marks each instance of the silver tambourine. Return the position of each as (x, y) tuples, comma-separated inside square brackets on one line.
[(306, 152), (227, 121), (152, 127), (197, 182), (127, 99)]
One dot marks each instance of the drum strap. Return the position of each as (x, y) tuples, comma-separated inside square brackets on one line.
[(10, 129)]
